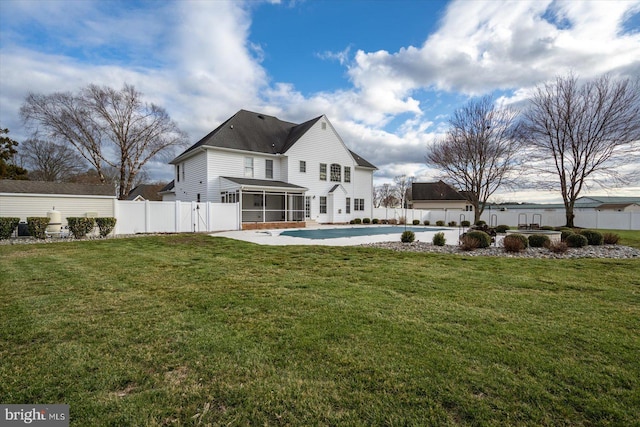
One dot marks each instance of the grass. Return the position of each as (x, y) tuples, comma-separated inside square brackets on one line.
[(190, 329)]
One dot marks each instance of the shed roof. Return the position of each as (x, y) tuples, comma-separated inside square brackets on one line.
[(434, 191), (46, 187)]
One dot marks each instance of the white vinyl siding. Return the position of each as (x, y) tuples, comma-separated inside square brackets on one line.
[(190, 184)]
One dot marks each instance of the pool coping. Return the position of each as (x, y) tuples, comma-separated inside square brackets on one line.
[(272, 237)]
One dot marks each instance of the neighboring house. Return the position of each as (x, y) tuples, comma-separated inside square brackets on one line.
[(144, 192), (278, 171), (438, 196), (167, 194), (23, 199)]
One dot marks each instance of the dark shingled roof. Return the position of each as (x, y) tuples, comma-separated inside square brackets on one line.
[(435, 191), (168, 187), (147, 192), (45, 187), (259, 133)]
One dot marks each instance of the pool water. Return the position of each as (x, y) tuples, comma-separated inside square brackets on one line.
[(335, 233)]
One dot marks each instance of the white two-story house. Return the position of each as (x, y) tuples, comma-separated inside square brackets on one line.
[(278, 171)]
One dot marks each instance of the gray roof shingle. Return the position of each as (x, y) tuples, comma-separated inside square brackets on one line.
[(434, 191), (45, 187)]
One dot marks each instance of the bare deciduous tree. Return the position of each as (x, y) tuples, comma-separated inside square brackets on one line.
[(108, 127), (48, 161), (479, 152), (385, 196), (583, 134), (403, 188)]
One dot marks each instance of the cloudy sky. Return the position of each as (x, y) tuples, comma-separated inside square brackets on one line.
[(386, 73)]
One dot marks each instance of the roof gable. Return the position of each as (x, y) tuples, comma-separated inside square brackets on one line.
[(434, 191)]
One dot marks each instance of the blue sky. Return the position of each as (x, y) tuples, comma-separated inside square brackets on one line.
[(386, 73)]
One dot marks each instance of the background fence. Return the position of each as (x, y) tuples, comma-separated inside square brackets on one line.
[(174, 217), (555, 218)]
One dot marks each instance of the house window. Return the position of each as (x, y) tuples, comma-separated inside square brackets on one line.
[(198, 198), (268, 169), (358, 204), (348, 207), (336, 171), (303, 166), (323, 205), (323, 126), (323, 171), (248, 167), (178, 173), (347, 174), (183, 168), (468, 208), (307, 207)]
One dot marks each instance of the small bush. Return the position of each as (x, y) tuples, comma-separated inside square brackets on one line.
[(539, 241), (610, 238), (566, 233), (408, 236), (393, 221), (483, 238), (502, 228), (416, 222), (37, 226), (480, 223), (80, 227), (426, 222), (7, 227), (105, 225), (593, 237), (576, 241), (452, 223), (402, 220), (357, 221), (440, 223), (375, 221), (514, 243), (438, 239), (465, 223), (558, 247), (521, 237), (366, 220), (547, 227), (469, 243)]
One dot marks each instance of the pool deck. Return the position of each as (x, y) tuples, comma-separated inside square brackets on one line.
[(273, 237)]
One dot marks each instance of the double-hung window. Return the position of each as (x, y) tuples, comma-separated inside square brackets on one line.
[(336, 172), (248, 167), (348, 207), (303, 166), (323, 171), (323, 204), (268, 169), (347, 174)]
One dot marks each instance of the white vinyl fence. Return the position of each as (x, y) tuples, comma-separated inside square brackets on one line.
[(175, 217), (555, 218)]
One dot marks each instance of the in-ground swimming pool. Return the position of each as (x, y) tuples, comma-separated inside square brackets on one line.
[(335, 233)]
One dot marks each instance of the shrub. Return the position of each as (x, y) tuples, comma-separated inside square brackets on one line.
[(439, 223), (7, 226), (353, 221), (452, 223), (105, 225), (547, 227), (465, 223), (393, 221), (375, 221), (469, 243), (566, 233), (576, 241), (521, 237), (558, 247), (483, 238), (366, 220), (37, 226), (480, 223), (539, 241), (416, 222), (610, 238), (408, 236), (357, 221), (514, 243), (402, 220), (438, 239), (80, 227), (593, 237), (502, 228), (426, 222)]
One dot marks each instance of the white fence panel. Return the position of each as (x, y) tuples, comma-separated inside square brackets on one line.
[(171, 217)]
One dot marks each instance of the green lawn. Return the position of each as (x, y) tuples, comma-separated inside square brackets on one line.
[(190, 329)]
